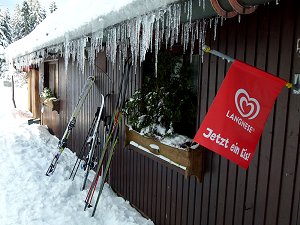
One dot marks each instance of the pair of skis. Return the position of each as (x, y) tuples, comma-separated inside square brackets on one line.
[(110, 144), (71, 124), (91, 142), (94, 143), (86, 144)]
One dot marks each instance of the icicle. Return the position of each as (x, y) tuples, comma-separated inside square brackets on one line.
[(111, 44), (123, 41), (202, 35), (156, 41), (178, 22), (176, 12), (239, 18), (192, 44), (151, 31), (277, 2), (200, 39), (186, 35), (182, 33), (215, 27), (67, 52), (118, 49), (96, 44), (147, 24), (203, 5), (80, 52), (134, 27), (73, 51), (163, 30), (168, 24), (222, 20), (190, 11), (199, 3), (197, 29)]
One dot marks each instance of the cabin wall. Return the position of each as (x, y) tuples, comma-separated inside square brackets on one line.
[(268, 192)]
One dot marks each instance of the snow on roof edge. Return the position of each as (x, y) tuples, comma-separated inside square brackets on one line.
[(57, 27)]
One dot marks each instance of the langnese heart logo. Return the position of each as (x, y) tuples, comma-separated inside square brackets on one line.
[(248, 107)]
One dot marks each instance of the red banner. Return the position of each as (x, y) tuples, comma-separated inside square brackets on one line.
[(236, 118)]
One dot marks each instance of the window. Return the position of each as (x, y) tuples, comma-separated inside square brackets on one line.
[(51, 77), (167, 100)]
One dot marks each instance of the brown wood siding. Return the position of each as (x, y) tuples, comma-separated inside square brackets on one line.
[(269, 191)]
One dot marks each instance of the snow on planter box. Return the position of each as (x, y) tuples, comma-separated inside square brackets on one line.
[(191, 158), (52, 103)]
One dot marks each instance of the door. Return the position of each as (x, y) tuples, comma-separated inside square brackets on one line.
[(51, 80)]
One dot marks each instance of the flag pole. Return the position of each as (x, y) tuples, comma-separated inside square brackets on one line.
[(207, 49)]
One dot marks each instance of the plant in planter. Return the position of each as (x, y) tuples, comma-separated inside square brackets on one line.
[(166, 104), (162, 113), (48, 99), (47, 93)]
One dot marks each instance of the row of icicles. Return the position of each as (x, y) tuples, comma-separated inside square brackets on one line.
[(138, 35)]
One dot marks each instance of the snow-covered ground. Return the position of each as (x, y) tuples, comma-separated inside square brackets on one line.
[(27, 196)]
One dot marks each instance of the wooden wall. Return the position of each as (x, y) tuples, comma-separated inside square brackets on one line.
[(269, 191)]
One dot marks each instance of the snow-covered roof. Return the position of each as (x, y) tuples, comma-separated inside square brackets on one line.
[(121, 24), (77, 18)]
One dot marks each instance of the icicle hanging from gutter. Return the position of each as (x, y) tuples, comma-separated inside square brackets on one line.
[(140, 34)]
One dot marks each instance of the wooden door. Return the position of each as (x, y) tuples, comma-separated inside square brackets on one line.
[(51, 80)]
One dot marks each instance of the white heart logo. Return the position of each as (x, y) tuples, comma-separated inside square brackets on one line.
[(247, 107)]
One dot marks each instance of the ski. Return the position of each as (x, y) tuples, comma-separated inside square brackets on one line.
[(92, 188), (63, 142), (111, 141), (108, 142), (94, 142), (113, 145), (81, 153)]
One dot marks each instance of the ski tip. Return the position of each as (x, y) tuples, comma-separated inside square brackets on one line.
[(49, 173)]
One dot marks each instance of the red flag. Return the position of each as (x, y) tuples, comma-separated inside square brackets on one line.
[(235, 121)]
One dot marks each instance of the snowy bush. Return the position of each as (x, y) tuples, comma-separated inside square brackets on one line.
[(47, 93), (166, 103)]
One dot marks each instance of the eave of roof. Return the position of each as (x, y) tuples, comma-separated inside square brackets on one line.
[(66, 29)]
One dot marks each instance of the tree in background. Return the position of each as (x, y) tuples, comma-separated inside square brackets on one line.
[(52, 7), (16, 24), (26, 18), (27, 25), (38, 14), (5, 36), (23, 21), (5, 28)]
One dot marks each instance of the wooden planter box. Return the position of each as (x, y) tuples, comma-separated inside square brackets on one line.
[(190, 158), (52, 103)]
